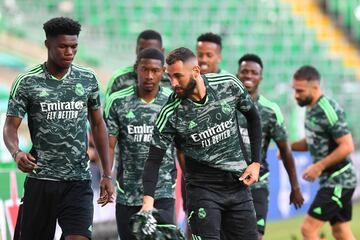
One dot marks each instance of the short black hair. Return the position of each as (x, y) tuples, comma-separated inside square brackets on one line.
[(250, 57), (179, 54), (308, 73), (150, 35), (210, 37), (61, 26), (150, 53)]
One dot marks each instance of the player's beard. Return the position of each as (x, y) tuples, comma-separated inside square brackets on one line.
[(305, 102), (188, 90)]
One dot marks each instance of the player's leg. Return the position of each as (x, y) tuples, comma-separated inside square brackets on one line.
[(123, 215), (340, 223), (238, 219), (310, 228), (37, 215), (327, 206), (261, 202), (204, 213), (75, 210), (166, 210), (342, 231)]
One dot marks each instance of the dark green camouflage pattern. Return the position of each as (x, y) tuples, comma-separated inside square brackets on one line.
[(207, 132), (273, 128), (131, 120), (325, 122), (57, 112)]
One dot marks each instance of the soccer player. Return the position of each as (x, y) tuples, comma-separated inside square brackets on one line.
[(272, 123), (330, 143), (200, 118), (58, 98), (208, 51), (130, 116), (126, 76)]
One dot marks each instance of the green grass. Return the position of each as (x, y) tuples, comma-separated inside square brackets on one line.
[(289, 229)]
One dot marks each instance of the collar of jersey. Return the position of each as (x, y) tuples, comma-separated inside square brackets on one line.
[(142, 100), (54, 78)]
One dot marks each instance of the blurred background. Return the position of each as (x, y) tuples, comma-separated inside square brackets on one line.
[(284, 33)]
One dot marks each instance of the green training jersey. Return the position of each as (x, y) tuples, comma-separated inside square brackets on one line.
[(125, 77), (57, 113), (132, 120), (208, 132), (324, 123), (273, 128)]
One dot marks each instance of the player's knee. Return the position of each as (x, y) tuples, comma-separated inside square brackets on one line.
[(307, 229), (341, 232)]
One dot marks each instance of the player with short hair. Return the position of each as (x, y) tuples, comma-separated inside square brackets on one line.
[(330, 143), (58, 98), (200, 118), (208, 51), (126, 76), (130, 116), (273, 128)]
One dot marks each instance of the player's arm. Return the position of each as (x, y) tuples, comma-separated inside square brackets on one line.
[(251, 173), (288, 160), (181, 159), (150, 176), (112, 144), (24, 161), (300, 145), (344, 148), (98, 129), (246, 106)]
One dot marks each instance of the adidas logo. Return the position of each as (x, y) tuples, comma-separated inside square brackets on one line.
[(130, 115), (192, 124), (261, 222), (43, 94), (317, 210)]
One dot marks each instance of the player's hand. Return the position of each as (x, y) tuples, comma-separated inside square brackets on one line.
[(312, 172), (106, 192), (25, 162), (296, 197), (148, 204), (251, 174)]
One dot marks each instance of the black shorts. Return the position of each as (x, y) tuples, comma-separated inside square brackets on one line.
[(221, 212), (333, 205), (45, 201), (261, 203), (165, 207)]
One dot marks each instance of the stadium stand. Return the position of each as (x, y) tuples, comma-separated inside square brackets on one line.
[(275, 29)]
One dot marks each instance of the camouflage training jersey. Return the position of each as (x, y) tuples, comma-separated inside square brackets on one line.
[(125, 77), (208, 132), (57, 115), (325, 122), (272, 126), (132, 120)]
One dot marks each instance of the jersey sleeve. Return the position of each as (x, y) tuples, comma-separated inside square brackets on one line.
[(94, 95), (164, 131), (278, 130), (19, 99), (112, 119), (243, 102), (162, 139), (337, 124)]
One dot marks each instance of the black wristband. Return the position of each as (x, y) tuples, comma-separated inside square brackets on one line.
[(14, 154)]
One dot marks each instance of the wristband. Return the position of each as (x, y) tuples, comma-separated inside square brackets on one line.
[(15, 154)]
